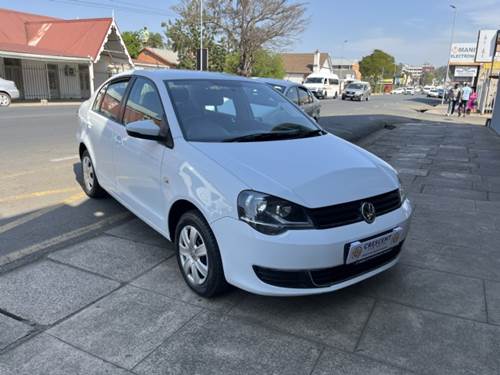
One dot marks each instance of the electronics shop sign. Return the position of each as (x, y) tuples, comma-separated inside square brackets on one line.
[(463, 53)]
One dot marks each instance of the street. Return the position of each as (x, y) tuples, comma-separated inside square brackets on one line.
[(85, 285)]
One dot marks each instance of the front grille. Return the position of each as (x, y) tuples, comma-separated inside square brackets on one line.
[(325, 277), (350, 212)]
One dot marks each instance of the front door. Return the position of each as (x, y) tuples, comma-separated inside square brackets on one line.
[(83, 72), (138, 162), (53, 78)]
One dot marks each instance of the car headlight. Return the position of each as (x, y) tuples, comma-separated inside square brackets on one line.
[(271, 215), (402, 190)]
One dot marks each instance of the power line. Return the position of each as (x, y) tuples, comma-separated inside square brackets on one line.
[(134, 5), (92, 4)]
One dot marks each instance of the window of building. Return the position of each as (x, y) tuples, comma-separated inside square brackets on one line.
[(143, 103)]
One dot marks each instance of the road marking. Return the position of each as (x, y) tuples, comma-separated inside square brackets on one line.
[(72, 157), (37, 194), (19, 174), (18, 254), (41, 212)]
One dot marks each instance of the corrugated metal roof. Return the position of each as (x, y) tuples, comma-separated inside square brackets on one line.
[(29, 33)]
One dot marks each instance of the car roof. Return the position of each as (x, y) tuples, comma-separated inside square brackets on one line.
[(166, 74), (274, 81)]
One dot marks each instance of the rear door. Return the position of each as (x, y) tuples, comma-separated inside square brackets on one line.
[(103, 122), (138, 162)]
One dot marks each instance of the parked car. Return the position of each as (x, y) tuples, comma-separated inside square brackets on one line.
[(409, 91), (427, 89), (323, 85), (8, 91), (436, 92), (399, 90), (357, 91), (298, 94), (252, 191)]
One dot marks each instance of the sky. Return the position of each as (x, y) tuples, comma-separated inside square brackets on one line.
[(413, 31)]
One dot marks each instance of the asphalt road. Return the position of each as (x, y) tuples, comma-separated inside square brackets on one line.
[(42, 205)]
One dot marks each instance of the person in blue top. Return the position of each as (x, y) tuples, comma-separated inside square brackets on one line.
[(464, 98)]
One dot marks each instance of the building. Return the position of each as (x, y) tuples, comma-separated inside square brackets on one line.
[(299, 65), (346, 68), (156, 58), (412, 74), (51, 58)]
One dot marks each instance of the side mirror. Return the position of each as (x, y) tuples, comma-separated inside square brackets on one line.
[(145, 129)]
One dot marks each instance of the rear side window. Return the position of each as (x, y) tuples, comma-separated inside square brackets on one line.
[(143, 103), (98, 99), (334, 81), (110, 106)]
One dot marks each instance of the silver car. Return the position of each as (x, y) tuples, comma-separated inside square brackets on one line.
[(8, 91), (357, 91)]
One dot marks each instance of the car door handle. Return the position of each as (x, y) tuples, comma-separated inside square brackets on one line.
[(118, 139)]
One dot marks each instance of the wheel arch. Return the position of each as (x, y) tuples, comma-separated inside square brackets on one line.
[(179, 208)]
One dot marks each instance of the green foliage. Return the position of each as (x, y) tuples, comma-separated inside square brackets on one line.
[(440, 73), (134, 45), (183, 37), (427, 78), (376, 66), (264, 64), (132, 42)]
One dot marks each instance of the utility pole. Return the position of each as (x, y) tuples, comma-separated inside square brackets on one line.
[(201, 35), (449, 52)]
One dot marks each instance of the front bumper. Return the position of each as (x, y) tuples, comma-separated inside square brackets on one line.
[(245, 251), (14, 94)]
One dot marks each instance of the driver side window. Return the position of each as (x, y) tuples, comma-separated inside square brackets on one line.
[(143, 103)]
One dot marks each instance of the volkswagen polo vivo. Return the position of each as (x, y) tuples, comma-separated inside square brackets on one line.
[(249, 188)]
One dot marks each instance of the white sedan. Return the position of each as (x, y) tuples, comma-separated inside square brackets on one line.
[(250, 189)]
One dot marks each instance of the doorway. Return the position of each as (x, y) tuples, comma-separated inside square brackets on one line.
[(53, 77)]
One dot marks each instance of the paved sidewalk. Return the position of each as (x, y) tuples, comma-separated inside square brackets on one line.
[(116, 304)]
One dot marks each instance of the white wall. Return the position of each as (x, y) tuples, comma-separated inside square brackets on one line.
[(69, 85), (35, 79)]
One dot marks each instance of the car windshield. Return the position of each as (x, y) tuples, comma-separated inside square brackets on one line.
[(236, 111), (355, 86), (314, 80)]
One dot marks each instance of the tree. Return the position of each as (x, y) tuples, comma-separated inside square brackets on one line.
[(132, 42), (440, 73), (246, 26), (266, 64), (427, 78), (376, 66)]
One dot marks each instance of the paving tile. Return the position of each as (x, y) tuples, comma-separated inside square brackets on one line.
[(445, 182), (488, 206), (430, 343), (11, 330), (467, 261), (214, 344), (125, 326), (46, 292), (414, 171), (166, 279), (335, 319), (137, 230), (45, 355), (335, 362), (428, 289), (494, 196), (441, 202), (493, 301), (113, 257), (454, 192), (462, 176)]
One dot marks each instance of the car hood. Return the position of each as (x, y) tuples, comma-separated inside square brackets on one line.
[(314, 172)]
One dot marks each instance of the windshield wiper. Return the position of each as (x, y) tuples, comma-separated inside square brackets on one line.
[(271, 136)]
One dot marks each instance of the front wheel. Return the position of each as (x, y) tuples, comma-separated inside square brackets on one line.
[(90, 183), (4, 99), (198, 256)]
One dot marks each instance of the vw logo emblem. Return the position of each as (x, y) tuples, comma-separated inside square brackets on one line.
[(368, 212)]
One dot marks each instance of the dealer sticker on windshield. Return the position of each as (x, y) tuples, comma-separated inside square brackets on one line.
[(361, 250)]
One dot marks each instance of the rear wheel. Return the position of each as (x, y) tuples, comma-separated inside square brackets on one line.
[(90, 183), (198, 255), (4, 99)]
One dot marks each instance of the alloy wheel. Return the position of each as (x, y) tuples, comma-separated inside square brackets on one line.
[(193, 255), (4, 100), (88, 173)]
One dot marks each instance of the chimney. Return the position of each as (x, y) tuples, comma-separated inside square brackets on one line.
[(316, 66)]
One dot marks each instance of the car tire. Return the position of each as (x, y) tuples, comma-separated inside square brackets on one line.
[(343, 97), (192, 265), (336, 95), (367, 98), (4, 99), (90, 185)]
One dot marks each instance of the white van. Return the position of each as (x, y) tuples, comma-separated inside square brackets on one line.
[(323, 85)]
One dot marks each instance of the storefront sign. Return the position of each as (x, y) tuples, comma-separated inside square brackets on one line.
[(486, 45), (465, 71), (462, 53)]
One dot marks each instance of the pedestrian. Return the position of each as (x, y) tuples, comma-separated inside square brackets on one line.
[(471, 104), (453, 97), (465, 94)]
